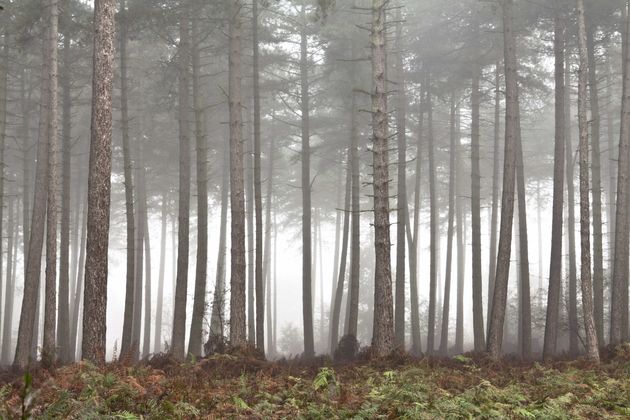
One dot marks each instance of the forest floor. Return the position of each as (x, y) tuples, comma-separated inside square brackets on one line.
[(243, 386)]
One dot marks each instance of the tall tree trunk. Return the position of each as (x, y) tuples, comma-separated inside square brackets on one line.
[(307, 298), (159, 306), (460, 220), (63, 327), (524, 291), (201, 268), (341, 272), (146, 339), (620, 266), (453, 152), (267, 249), (260, 292), (402, 210), (555, 269), (494, 218), (497, 314), (416, 347), (4, 93), (237, 197), (612, 176), (78, 291), (126, 344), (183, 228), (572, 286), (217, 320), (27, 335), (7, 327), (52, 211), (383, 329), (475, 207), (136, 327), (99, 185), (592, 348), (598, 246), (434, 220), (249, 215)]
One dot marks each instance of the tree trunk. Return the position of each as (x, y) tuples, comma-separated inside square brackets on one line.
[(413, 234), (460, 220), (475, 207), (63, 327), (592, 348), (620, 266), (307, 298), (433, 246), (157, 344), (237, 197), (183, 228), (383, 329), (136, 327), (572, 292), (4, 94), (217, 320), (598, 246), (555, 269), (259, 281), (524, 291), (30, 298), (249, 214), (402, 210), (126, 344), (99, 186), (453, 152), (355, 228), (75, 339), (341, 273), (494, 218), (7, 328), (199, 303), (612, 159), (267, 249), (497, 314), (146, 339)]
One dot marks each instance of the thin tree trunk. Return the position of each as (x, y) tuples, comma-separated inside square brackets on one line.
[(612, 159), (383, 328), (555, 269), (572, 286), (27, 336), (78, 291), (136, 327), (598, 246), (475, 207), (355, 228), (497, 314), (183, 228), (146, 339), (434, 216), (99, 186), (157, 344), (620, 266), (201, 268), (460, 220), (592, 348), (453, 152), (4, 94), (7, 328), (494, 218), (267, 249), (126, 344), (259, 281), (402, 210), (307, 298), (249, 215), (63, 327), (237, 197)]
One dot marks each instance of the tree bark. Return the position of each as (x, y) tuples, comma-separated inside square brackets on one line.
[(7, 327), (555, 269), (620, 265), (259, 281), (497, 314), (75, 339), (460, 220), (27, 335), (136, 327), (307, 298), (146, 338), (475, 207), (434, 220), (99, 185), (201, 268), (63, 327), (183, 228), (237, 196), (249, 215), (453, 152), (592, 348), (126, 344), (402, 210), (383, 328), (267, 249), (159, 308)]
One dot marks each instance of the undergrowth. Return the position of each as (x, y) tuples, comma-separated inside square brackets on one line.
[(229, 386)]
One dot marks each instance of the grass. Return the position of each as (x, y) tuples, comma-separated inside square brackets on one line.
[(233, 386)]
